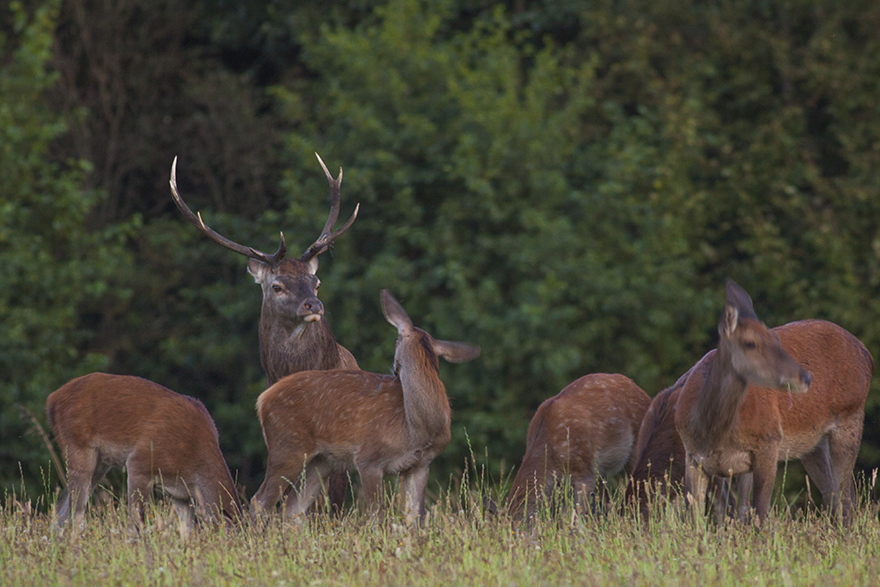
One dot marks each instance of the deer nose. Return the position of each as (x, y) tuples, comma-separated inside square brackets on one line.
[(806, 378), (311, 307)]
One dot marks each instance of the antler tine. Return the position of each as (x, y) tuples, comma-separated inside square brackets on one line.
[(196, 219), (326, 239)]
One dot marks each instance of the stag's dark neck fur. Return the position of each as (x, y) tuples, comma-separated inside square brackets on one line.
[(290, 348), (715, 413)]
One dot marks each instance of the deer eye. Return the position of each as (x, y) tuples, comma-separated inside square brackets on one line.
[(318, 286), (276, 288), (749, 344)]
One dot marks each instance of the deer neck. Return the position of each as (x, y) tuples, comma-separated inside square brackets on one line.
[(288, 347), (425, 404), (715, 413)]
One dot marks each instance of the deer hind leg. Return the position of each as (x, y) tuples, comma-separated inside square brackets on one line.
[(414, 483), (139, 489), (817, 464), (84, 472), (843, 447), (307, 488)]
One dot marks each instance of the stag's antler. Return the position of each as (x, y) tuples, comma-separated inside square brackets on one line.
[(326, 239), (319, 246), (196, 219)]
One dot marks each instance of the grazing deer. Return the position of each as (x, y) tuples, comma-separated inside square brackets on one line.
[(750, 404), (162, 438), (380, 424), (294, 336), (585, 431)]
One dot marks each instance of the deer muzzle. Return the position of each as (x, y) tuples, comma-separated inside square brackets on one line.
[(311, 310)]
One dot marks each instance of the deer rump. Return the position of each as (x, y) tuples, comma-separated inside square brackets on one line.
[(584, 432)]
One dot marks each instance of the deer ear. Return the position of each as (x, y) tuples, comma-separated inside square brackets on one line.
[(455, 352), (729, 320), (739, 299), (259, 270), (313, 265), (394, 312)]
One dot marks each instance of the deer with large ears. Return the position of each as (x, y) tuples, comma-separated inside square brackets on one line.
[(380, 424), (797, 391), (294, 335), (163, 439), (585, 431)]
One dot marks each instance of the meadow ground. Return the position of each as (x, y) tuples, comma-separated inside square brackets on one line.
[(458, 545)]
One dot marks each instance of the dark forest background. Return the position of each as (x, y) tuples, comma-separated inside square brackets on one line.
[(567, 183)]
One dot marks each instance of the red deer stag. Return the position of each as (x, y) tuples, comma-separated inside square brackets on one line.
[(380, 424), (162, 439), (585, 431), (294, 336), (736, 412)]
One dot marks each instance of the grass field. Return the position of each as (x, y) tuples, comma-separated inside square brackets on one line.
[(458, 545)]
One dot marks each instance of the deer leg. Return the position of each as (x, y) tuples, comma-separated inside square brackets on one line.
[(371, 486), (279, 478), (139, 485), (414, 483), (764, 466), (305, 492), (82, 469), (817, 464), (696, 484), (743, 486), (843, 444)]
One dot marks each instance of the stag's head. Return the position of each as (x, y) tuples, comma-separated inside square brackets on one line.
[(290, 286), (755, 351)]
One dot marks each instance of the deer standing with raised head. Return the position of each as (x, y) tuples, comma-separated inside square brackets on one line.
[(584, 432), (397, 424), (797, 391), (294, 335), (163, 439)]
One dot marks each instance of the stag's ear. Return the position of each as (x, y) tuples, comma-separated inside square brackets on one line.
[(394, 312), (455, 352), (313, 265), (729, 321), (259, 270)]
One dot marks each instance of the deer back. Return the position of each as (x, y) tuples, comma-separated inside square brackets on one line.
[(130, 421), (840, 370), (589, 428)]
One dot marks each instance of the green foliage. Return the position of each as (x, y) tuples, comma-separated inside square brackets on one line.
[(54, 269)]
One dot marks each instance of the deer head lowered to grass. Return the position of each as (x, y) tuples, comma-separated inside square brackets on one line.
[(797, 391), (162, 438), (585, 431), (380, 424)]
